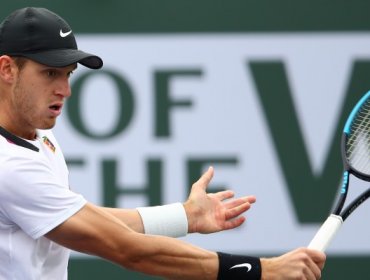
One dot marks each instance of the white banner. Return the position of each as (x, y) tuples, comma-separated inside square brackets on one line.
[(222, 118)]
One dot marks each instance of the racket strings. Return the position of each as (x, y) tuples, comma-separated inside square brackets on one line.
[(358, 142)]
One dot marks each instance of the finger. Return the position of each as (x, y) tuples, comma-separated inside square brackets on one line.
[(238, 201), (204, 180), (309, 274), (313, 271), (223, 195), (234, 223), (318, 257), (236, 211)]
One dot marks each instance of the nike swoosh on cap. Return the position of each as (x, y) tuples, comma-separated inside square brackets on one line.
[(248, 266), (64, 34)]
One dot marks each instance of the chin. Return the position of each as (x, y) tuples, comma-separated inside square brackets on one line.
[(48, 125)]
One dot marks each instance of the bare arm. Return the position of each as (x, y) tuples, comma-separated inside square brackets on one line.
[(206, 212), (129, 217), (96, 232)]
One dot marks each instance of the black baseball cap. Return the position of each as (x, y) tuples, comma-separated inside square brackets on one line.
[(43, 36)]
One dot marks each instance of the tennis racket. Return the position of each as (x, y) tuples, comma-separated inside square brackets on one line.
[(355, 149)]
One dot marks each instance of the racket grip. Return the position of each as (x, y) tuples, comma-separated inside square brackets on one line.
[(326, 233)]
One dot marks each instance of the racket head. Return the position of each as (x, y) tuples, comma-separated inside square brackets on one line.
[(356, 140)]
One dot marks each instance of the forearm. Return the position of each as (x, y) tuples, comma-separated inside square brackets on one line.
[(129, 217), (170, 258), (174, 259), (95, 231), (157, 255)]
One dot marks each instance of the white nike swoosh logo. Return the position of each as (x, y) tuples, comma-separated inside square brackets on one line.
[(246, 265), (64, 34)]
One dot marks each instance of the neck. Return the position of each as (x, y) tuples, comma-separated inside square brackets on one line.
[(13, 127)]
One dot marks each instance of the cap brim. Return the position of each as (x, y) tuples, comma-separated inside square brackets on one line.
[(62, 58)]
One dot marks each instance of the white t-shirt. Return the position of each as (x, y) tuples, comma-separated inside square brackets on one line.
[(34, 198)]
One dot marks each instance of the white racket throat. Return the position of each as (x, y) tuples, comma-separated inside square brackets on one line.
[(326, 233)]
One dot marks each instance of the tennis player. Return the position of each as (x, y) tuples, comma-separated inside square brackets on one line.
[(41, 218)]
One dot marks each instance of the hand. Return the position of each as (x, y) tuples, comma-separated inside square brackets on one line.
[(214, 212), (302, 264)]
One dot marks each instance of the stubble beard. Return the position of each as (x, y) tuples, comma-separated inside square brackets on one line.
[(26, 110)]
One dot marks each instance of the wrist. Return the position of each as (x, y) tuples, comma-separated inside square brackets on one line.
[(238, 267), (167, 220), (268, 268), (264, 263), (191, 215)]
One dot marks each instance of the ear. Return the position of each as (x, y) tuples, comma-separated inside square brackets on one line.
[(8, 69)]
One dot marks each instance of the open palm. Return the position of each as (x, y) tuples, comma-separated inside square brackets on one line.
[(214, 212)]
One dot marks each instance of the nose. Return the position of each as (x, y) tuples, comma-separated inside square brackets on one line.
[(64, 88)]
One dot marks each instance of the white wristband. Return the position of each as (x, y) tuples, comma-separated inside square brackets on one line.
[(168, 220)]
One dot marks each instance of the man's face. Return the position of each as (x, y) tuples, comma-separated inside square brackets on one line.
[(39, 94)]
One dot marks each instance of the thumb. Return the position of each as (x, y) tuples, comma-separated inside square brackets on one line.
[(205, 179)]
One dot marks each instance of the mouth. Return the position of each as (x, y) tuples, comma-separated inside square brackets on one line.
[(56, 108)]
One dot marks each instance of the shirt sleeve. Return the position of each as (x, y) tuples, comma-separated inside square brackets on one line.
[(32, 198)]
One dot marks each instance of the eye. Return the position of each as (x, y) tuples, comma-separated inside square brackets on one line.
[(51, 73)]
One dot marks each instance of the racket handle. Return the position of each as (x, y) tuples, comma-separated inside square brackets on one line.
[(326, 233)]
